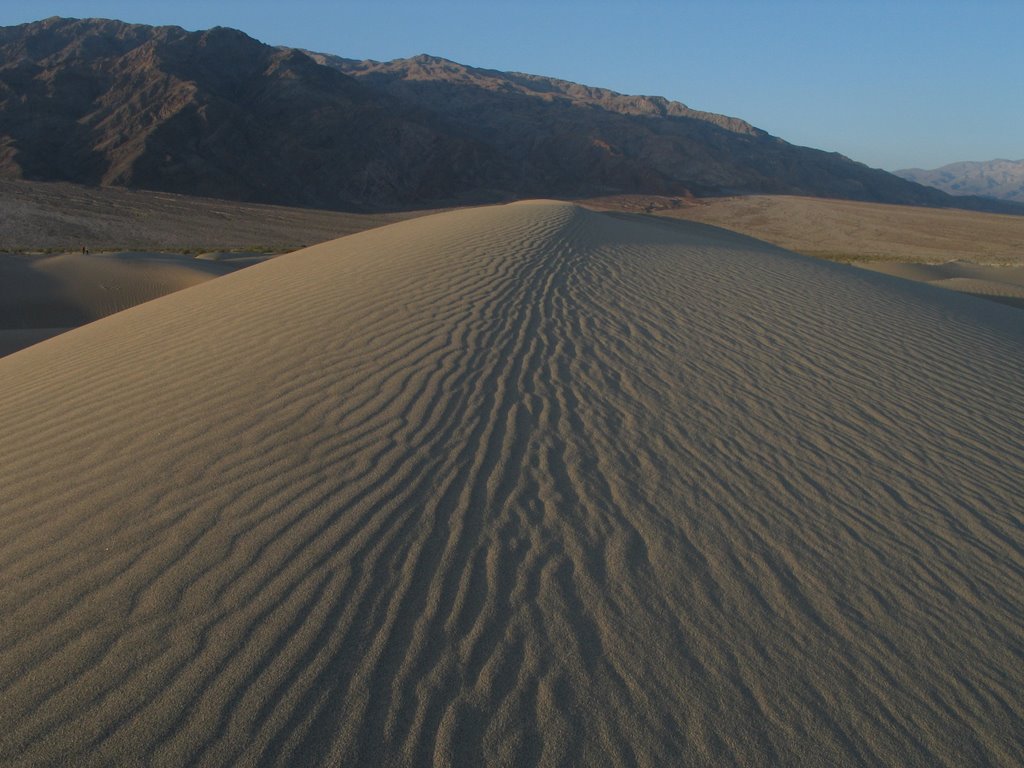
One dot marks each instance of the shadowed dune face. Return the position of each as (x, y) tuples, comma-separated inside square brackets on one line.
[(519, 485), (42, 296)]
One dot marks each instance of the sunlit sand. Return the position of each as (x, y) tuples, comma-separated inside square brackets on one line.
[(518, 485)]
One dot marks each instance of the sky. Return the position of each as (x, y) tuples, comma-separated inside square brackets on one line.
[(893, 84)]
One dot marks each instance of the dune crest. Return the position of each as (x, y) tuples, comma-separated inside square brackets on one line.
[(519, 485)]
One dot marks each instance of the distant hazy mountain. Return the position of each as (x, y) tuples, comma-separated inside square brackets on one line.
[(1001, 179), (220, 114)]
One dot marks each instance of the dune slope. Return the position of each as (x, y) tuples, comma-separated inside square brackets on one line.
[(43, 296), (1002, 284), (525, 485)]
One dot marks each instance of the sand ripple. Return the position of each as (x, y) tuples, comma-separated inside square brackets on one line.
[(514, 486)]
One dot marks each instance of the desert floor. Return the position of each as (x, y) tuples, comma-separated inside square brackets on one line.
[(976, 253), (843, 230), (56, 217)]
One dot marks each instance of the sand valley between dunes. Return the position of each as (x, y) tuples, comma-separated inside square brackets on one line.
[(520, 485)]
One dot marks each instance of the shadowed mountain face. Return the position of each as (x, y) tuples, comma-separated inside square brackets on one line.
[(213, 113), (219, 114), (577, 140), (1002, 179)]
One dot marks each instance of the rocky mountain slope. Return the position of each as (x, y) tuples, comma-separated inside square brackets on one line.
[(213, 113), (219, 114), (579, 140), (1001, 179)]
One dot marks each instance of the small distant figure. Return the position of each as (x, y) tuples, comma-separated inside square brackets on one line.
[(85, 251)]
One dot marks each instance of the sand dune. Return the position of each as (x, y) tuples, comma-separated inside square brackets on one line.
[(43, 296), (524, 485), (1002, 284), (13, 339)]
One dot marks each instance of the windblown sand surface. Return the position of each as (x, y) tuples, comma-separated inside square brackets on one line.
[(515, 486), (1002, 284), (43, 296), (977, 253)]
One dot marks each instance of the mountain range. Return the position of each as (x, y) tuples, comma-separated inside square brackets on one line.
[(219, 114), (1000, 179)]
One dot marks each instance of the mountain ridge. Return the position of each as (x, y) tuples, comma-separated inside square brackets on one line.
[(217, 113), (623, 103)]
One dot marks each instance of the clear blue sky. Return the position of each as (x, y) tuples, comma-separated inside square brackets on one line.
[(899, 83)]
